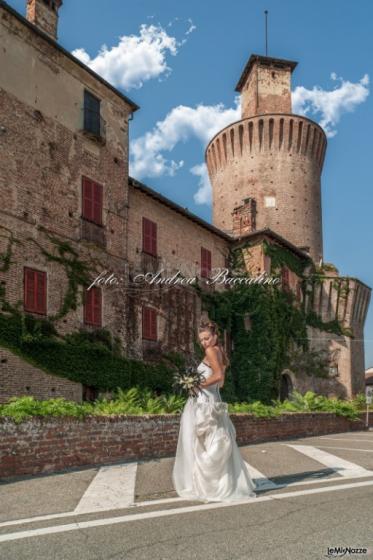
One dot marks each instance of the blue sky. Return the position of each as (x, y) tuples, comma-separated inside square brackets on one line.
[(180, 61)]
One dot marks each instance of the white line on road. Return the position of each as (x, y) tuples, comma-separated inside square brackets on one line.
[(112, 487), (321, 480), (341, 466), (347, 449), (260, 480), (348, 439), (164, 513)]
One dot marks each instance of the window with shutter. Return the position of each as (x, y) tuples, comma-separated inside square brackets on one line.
[(93, 306), (205, 262), (35, 291), (149, 323), (149, 237), (91, 113), (91, 201)]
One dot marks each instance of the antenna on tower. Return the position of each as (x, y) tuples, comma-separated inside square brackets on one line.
[(266, 30)]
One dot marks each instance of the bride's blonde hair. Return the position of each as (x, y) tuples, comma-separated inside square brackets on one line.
[(214, 329)]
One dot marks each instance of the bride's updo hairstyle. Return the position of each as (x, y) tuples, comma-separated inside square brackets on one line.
[(213, 328)]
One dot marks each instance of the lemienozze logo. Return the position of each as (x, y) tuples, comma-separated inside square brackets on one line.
[(339, 551)]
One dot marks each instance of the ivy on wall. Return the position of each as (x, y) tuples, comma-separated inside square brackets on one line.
[(94, 357), (265, 325)]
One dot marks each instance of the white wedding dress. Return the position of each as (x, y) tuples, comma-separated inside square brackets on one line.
[(208, 463)]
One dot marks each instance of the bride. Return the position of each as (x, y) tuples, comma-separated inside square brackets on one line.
[(208, 464)]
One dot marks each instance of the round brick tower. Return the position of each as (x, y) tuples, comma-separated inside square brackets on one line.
[(265, 169)]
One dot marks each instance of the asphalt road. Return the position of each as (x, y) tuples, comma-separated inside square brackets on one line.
[(314, 500)]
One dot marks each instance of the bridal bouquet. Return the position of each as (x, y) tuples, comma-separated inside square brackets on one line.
[(188, 380)]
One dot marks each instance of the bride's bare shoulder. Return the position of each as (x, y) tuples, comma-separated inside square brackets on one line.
[(212, 351)]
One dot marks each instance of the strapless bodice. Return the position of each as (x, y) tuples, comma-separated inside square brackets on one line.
[(210, 393)]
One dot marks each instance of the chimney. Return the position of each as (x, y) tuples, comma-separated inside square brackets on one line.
[(44, 14), (244, 217)]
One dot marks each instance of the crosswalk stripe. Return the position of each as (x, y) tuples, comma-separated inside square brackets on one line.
[(112, 487), (341, 466), (260, 480)]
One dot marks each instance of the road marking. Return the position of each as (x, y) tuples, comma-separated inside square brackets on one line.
[(112, 487), (348, 439), (355, 434), (347, 449), (260, 480), (164, 513), (341, 466), (21, 521)]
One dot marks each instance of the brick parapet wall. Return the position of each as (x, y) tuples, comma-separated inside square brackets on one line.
[(45, 445)]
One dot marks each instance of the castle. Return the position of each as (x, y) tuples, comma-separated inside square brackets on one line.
[(64, 176)]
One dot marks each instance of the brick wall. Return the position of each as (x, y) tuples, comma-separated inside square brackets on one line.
[(44, 445)]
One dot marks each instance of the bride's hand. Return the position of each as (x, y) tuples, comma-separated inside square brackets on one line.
[(195, 390)]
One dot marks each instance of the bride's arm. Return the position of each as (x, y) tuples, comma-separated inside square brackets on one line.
[(217, 372)]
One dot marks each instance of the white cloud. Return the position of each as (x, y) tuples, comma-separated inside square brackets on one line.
[(330, 104), (181, 124), (136, 58), (204, 193)]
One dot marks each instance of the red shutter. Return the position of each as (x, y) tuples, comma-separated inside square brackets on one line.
[(41, 292), (88, 307), (93, 306), (87, 197), (153, 324), (149, 323), (154, 238), (96, 306), (29, 288), (149, 236), (35, 291), (91, 200), (144, 323), (97, 203)]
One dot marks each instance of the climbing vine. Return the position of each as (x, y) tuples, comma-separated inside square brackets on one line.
[(266, 324), (77, 271)]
